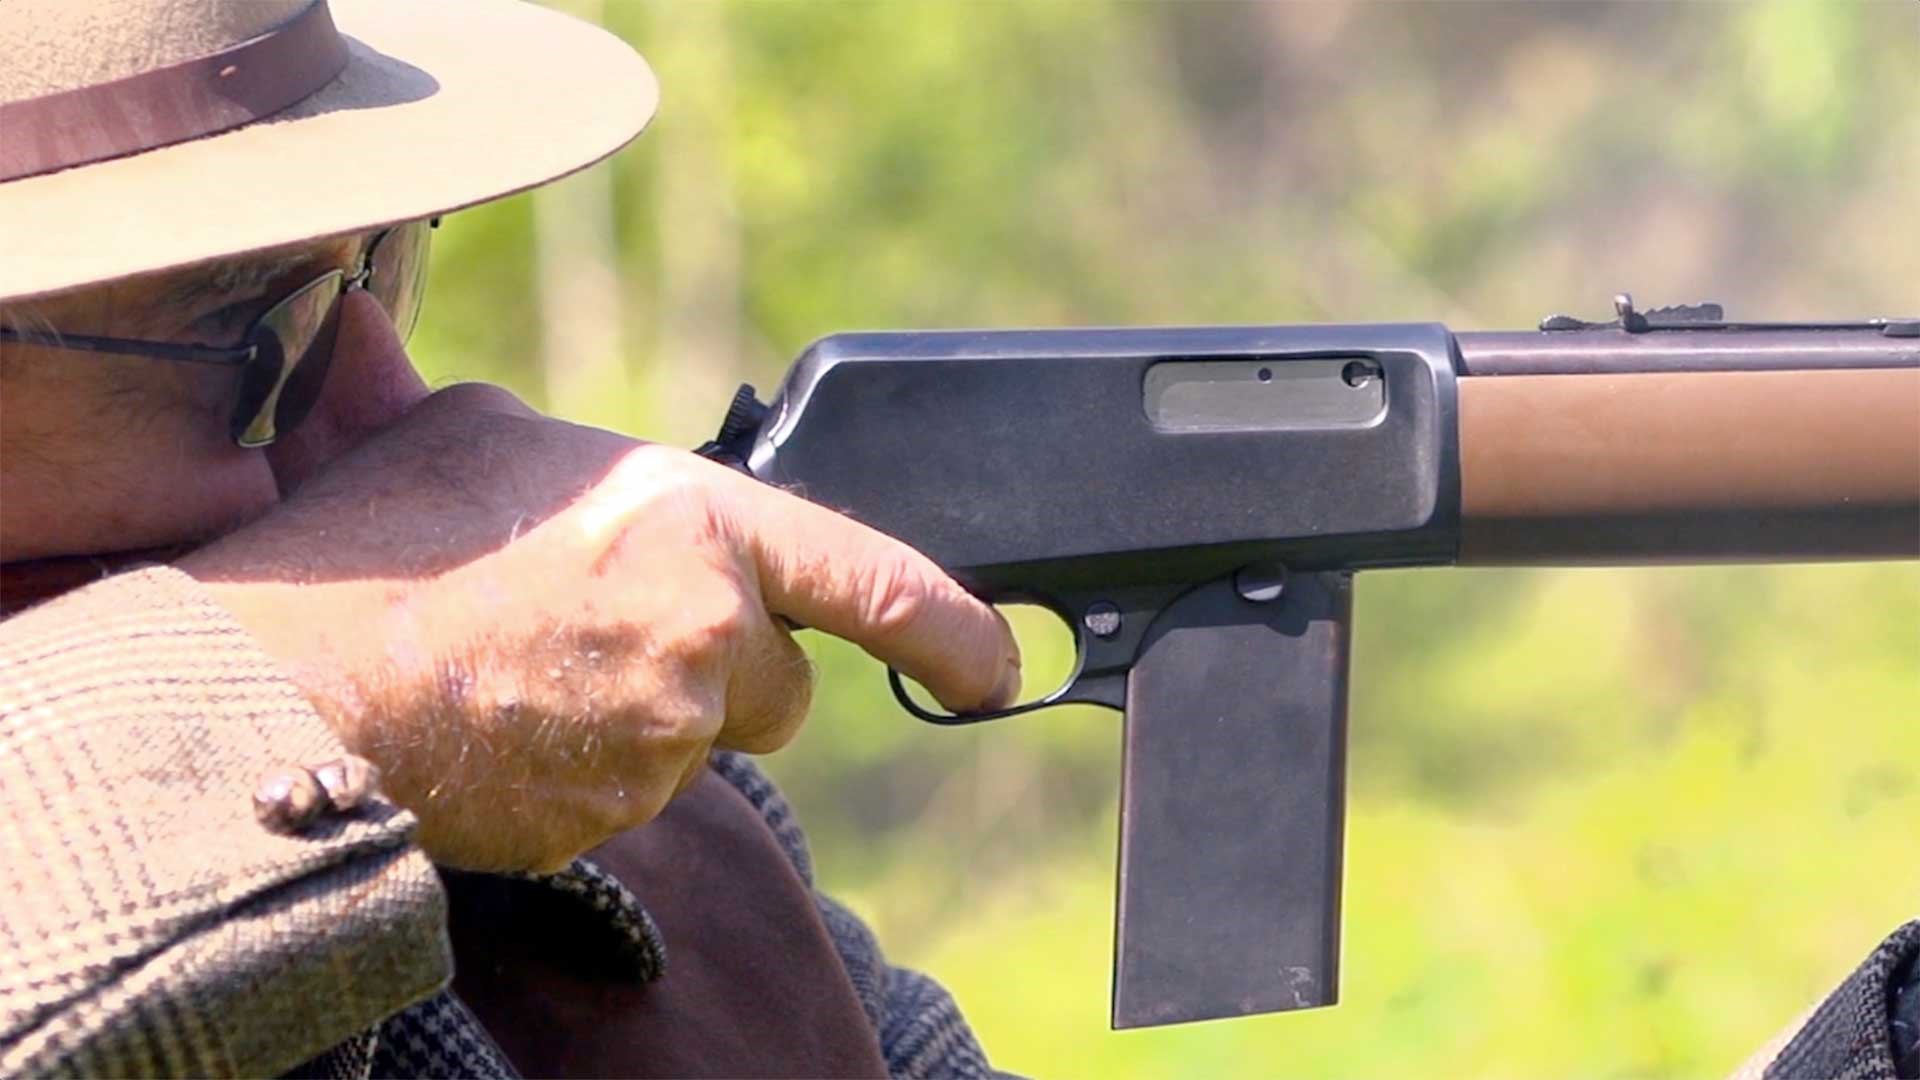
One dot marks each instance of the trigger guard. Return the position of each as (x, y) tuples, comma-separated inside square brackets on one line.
[(1079, 689), (959, 719), (1100, 666)]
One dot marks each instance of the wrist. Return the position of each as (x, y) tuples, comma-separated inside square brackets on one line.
[(336, 642)]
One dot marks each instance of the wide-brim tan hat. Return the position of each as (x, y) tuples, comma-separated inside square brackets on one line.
[(440, 104)]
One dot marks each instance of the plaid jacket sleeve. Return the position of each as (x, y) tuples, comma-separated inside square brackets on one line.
[(148, 925)]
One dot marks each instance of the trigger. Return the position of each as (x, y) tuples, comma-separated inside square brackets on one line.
[(1108, 626), (899, 687), (1109, 689)]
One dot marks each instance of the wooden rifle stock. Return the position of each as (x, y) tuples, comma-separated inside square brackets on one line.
[(1596, 445)]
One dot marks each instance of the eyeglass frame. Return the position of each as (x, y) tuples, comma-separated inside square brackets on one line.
[(235, 356)]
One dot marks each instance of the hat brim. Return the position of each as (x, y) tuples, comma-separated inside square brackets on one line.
[(440, 107)]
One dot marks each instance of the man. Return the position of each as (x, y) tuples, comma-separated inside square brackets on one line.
[(213, 221), (535, 630)]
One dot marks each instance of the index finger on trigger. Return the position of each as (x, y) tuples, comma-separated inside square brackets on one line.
[(834, 574)]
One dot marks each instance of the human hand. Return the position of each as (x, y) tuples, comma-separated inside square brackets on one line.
[(538, 630)]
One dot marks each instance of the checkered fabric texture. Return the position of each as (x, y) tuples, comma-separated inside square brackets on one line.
[(438, 1037), (1869, 1028), (151, 926), (634, 948), (1906, 1015)]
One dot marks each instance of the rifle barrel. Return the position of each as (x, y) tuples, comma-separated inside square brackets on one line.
[(1759, 348), (1602, 446)]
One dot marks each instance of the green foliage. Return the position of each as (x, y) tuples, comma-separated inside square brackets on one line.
[(1604, 822)]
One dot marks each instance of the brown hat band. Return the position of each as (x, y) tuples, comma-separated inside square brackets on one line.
[(238, 85)]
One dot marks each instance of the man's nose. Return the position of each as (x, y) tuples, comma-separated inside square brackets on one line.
[(370, 384)]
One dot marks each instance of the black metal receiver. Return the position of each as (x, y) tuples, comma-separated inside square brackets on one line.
[(1205, 494), (1192, 502)]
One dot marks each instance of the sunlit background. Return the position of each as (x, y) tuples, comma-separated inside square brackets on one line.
[(1603, 823)]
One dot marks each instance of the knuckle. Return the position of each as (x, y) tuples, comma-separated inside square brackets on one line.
[(615, 810), (715, 623), (662, 479), (800, 678), (615, 802), (774, 738), (800, 699), (674, 723), (658, 498), (895, 598), (787, 695), (638, 803)]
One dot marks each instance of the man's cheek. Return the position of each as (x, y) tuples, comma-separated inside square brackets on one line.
[(211, 497), (129, 498)]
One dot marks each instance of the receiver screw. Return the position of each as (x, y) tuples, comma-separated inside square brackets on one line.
[(1102, 619), (1260, 583)]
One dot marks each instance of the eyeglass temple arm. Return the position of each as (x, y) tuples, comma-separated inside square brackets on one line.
[(229, 356)]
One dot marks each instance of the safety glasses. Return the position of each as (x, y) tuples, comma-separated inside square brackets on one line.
[(284, 357)]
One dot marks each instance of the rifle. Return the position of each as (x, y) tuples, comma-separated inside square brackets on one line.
[(1194, 502)]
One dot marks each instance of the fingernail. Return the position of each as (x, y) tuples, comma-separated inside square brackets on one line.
[(1007, 690)]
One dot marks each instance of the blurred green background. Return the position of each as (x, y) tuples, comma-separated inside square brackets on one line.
[(1604, 823)]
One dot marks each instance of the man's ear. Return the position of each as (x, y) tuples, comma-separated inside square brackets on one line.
[(370, 384)]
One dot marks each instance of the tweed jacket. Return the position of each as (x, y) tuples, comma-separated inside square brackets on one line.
[(151, 926)]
